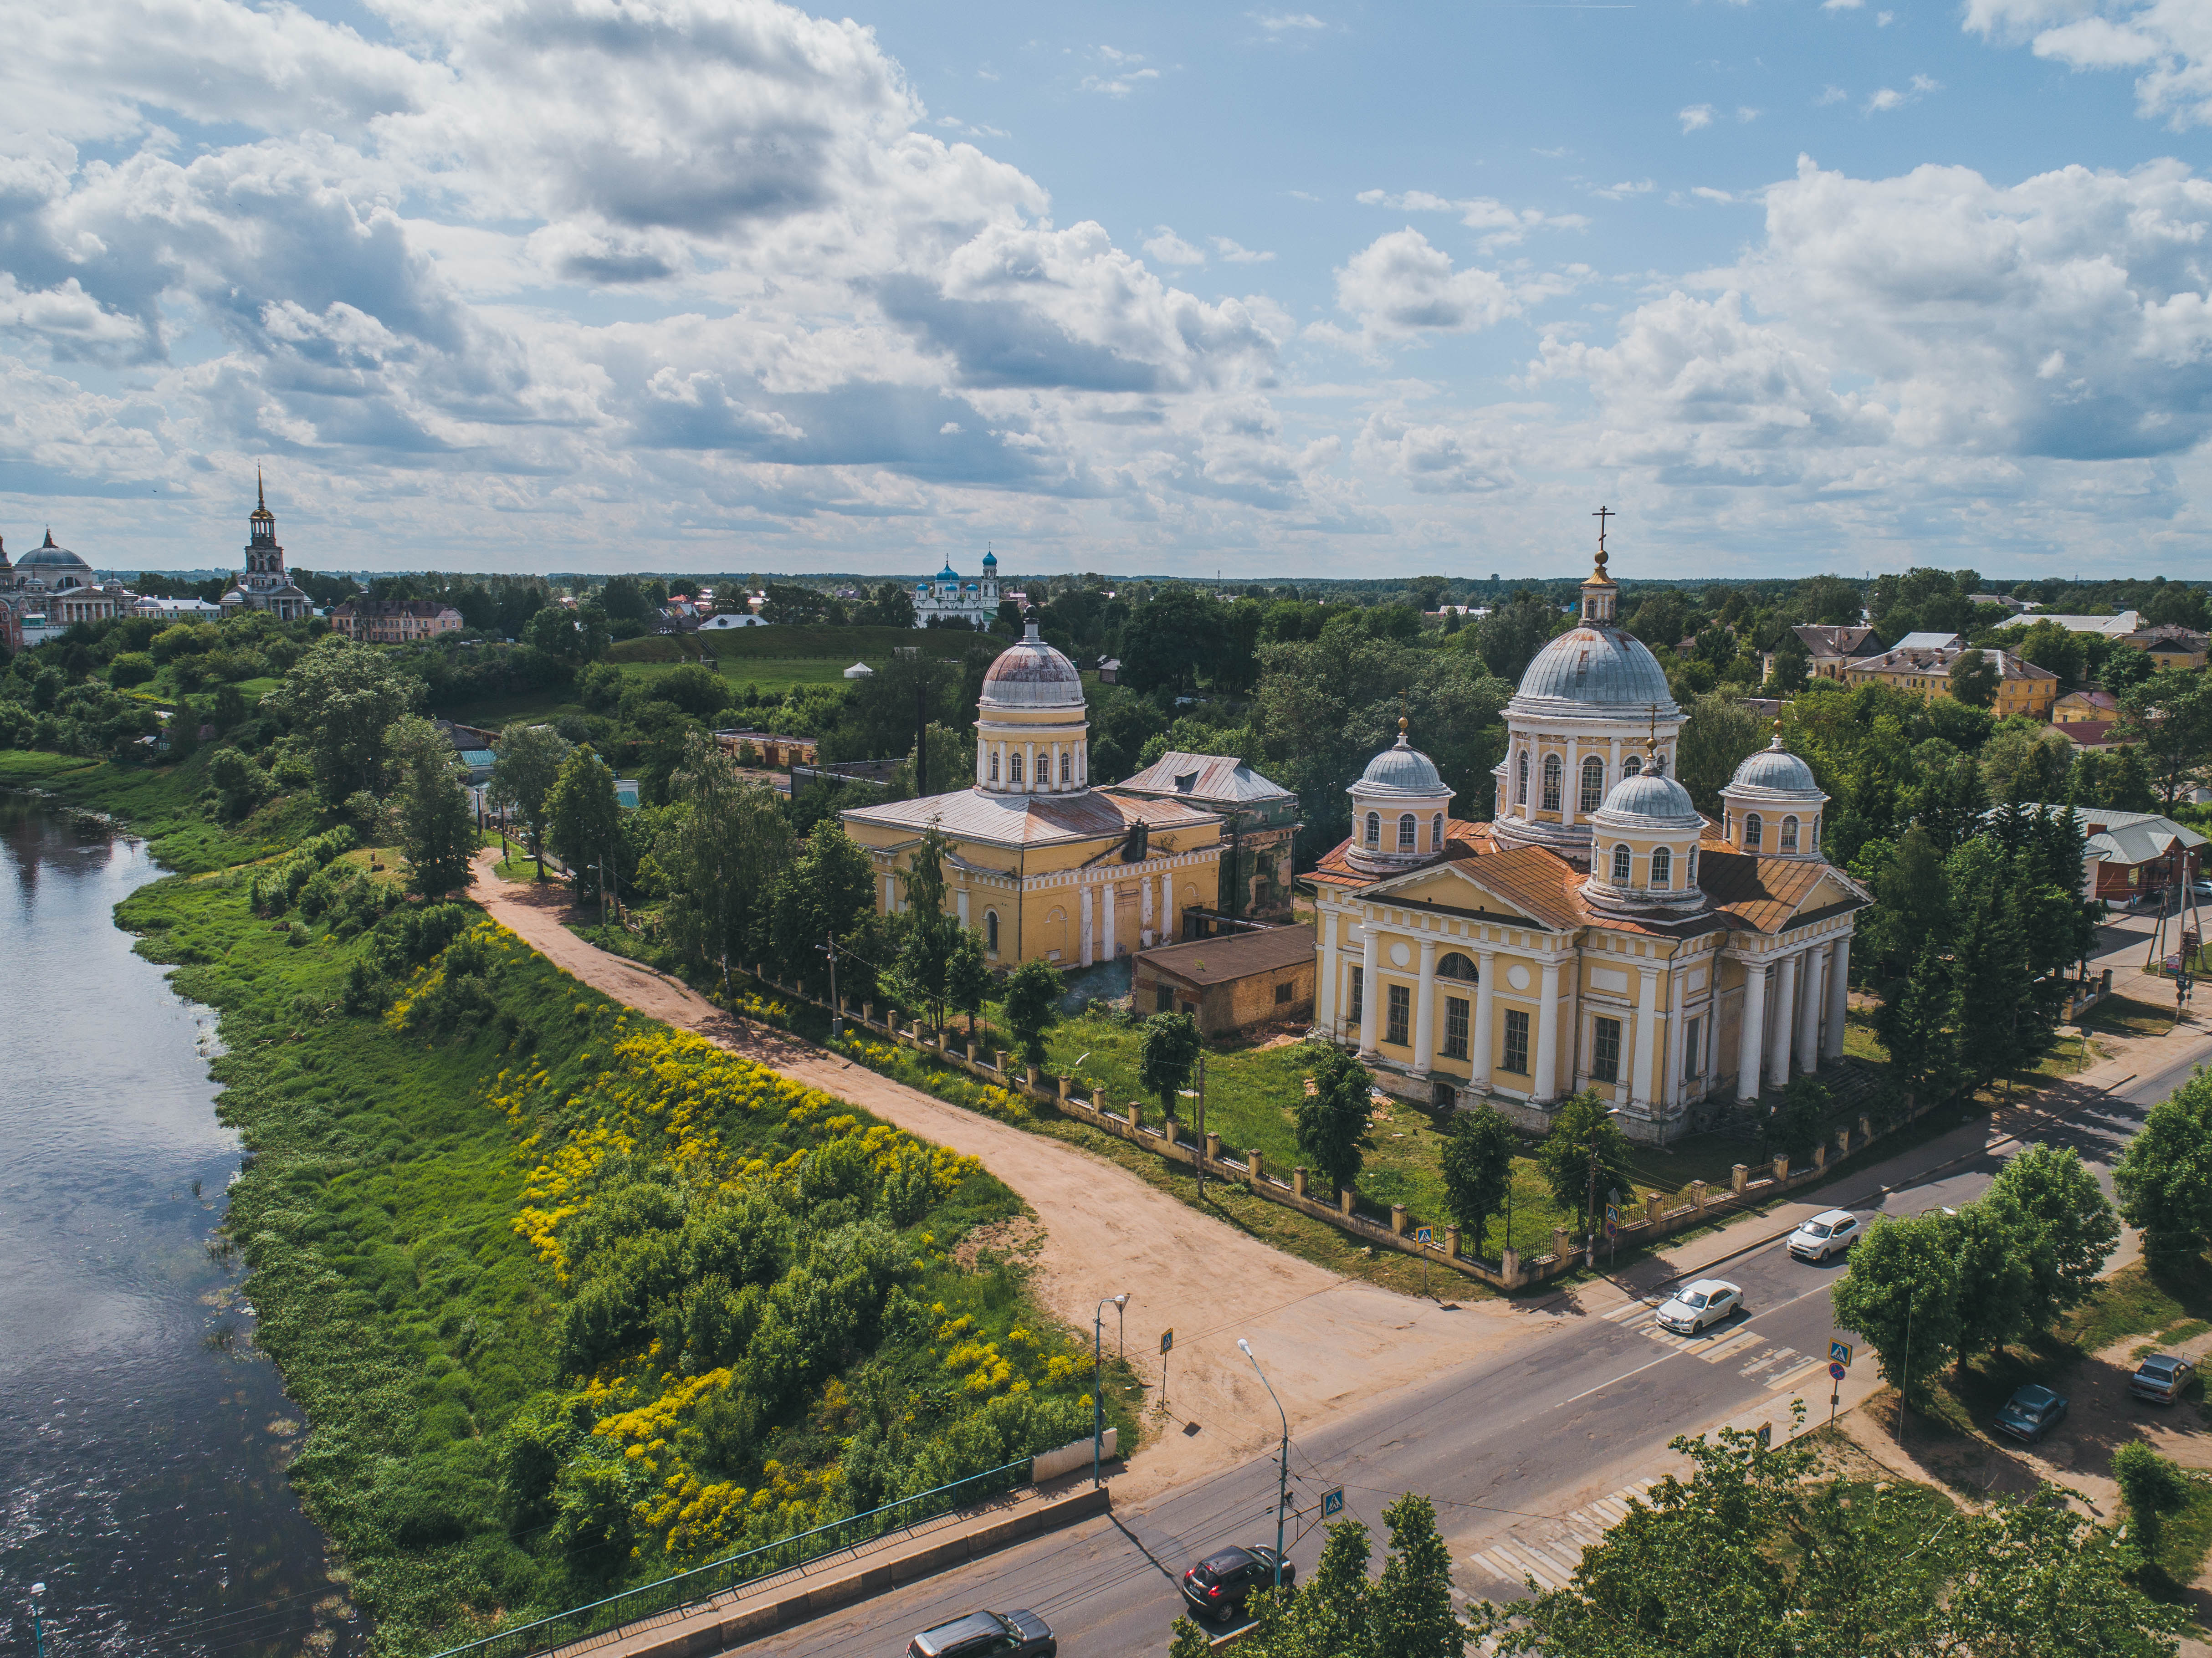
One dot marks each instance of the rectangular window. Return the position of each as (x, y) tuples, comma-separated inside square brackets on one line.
[(1164, 999), (1282, 994), (1358, 1009), (1605, 1051), (1690, 1049), (1454, 1027), (1401, 1009), (1516, 1042)]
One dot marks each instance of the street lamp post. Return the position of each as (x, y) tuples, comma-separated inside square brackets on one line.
[(1098, 1380), (38, 1629), (1283, 1468)]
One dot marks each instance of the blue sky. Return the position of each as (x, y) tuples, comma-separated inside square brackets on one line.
[(580, 285)]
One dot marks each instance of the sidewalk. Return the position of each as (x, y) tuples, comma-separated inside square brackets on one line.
[(752, 1610)]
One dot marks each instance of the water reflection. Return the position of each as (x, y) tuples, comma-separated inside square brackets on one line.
[(142, 1440)]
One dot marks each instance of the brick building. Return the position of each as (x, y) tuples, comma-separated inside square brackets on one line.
[(1233, 982)]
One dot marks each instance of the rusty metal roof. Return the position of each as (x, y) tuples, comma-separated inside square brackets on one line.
[(1235, 956), (1205, 777), (1028, 820)]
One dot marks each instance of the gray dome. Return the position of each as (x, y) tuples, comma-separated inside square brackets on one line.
[(1402, 769), (1775, 769), (1030, 674), (51, 557), (1597, 667), (1649, 796)]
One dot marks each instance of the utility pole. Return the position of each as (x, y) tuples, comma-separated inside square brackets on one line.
[(828, 947), (38, 1629), (920, 737), (1098, 1380), (1283, 1473)]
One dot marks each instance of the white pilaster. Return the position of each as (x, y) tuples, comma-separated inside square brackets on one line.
[(1547, 1034), (1808, 1009), (1088, 931), (1370, 992), (1167, 923), (1330, 1019), (1647, 1028), (1571, 797), (1749, 1051), (1144, 913), (1785, 1006), (1425, 1009), (1109, 895), (1479, 1047), (1839, 994)]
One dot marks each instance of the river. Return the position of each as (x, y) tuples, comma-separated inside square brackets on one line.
[(142, 1438)]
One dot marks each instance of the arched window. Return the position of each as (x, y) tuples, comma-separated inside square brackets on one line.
[(1013, 769), (1662, 867), (1374, 829), (994, 765), (1753, 831), (1067, 768), (1452, 964), (1437, 833), (1521, 777), (1551, 782), (1406, 830), (1620, 867), (1658, 765), (1593, 783), (1632, 766), (991, 931), (1788, 835)]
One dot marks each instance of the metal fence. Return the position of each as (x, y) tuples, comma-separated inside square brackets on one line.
[(701, 1583)]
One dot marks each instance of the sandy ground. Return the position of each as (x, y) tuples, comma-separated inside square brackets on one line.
[(1327, 1342)]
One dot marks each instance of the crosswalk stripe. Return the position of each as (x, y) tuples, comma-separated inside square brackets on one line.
[(1630, 1310), (1614, 1512), (1530, 1564), (1801, 1375), (1731, 1346)]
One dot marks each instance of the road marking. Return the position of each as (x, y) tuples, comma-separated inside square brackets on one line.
[(1817, 1289), (1551, 1550), (1732, 1346), (1803, 1373), (1629, 1311), (1775, 1356)]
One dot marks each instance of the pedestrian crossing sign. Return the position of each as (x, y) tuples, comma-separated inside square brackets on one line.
[(1332, 1502), (1839, 1352)]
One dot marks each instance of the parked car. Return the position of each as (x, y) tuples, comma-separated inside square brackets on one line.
[(2031, 1412), (1000, 1634), (1709, 1301), (1829, 1233), (2161, 1377), (1219, 1585)]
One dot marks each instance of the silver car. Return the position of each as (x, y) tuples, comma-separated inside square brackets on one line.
[(1709, 1301), (1829, 1233)]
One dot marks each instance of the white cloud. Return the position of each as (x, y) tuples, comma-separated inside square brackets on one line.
[(1830, 95), (1290, 23), (1164, 246), (1436, 459), (1710, 194), (1888, 98), (1236, 254), (1624, 190), (1925, 84), (1400, 286), (2169, 40), (1695, 117), (1500, 225), (1841, 5)]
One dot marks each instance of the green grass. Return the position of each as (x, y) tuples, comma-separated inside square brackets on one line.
[(161, 803), (2185, 1538), (2142, 1298), (747, 646)]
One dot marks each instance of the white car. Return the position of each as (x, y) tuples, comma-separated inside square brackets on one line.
[(1827, 1234), (1709, 1301)]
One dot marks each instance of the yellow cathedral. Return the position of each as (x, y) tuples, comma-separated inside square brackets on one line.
[(1600, 932), (1044, 865)]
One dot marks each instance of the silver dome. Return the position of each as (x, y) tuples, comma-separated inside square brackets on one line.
[(51, 557), (1030, 674), (1594, 667), (1651, 798), (1400, 770), (1775, 770)]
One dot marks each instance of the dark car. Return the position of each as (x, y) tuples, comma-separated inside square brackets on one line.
[(2161, 1377), (1219, 1585), (1000, 1634), (2031, 1412)]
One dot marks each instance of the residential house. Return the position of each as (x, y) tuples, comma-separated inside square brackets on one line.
[(1236, 982), (393, 620), (1829, 647), (2077, 707), (2023, 688), (2112, 627), (2132, 855), (2171, 646)]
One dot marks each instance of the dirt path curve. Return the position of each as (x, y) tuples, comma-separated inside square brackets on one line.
[(1328, 1342)]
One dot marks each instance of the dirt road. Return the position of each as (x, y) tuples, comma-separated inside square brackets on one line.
[(1327, 1342)]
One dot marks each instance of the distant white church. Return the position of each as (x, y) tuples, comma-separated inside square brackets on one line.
[(973, 603)]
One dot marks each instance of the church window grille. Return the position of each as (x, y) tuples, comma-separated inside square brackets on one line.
[(1605, 1051), (1401, 1010), (1066, 769), (1788, 835), (1454, 1027), (1593, 783), (1662, 867), (991, 931), (1437, 833), (1632, 766), (1551, 782), (1374, 830), (1620, 862), (1454, 964), (1516, 1042), (1753, 831), (1521, 775), (1013, 769), (1406, 831), (994, 766)]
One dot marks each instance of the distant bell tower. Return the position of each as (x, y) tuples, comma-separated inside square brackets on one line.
[(263, 556)]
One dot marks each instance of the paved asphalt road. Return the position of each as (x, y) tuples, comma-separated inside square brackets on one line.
[(1565, 1418)]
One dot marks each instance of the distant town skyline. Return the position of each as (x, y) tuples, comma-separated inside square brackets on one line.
[(1288, 294)]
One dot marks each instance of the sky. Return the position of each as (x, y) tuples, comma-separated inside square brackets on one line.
[(597, 285)]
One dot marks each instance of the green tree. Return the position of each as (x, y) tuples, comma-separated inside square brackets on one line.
[(1990, 1240), (1919, 1024), (1334, 1119), (525, 764), (437, 832), (1478, 1170), (2068, 1225), (695, 690), (2164, 1178), (825, 892), (1183, 629), (722, 858), (1166, 1056), (1795, 1126), (1032, 1007), (1584, 1132), (928, 933), (240, 784), (1409, 1610), (2169, 718), (1718, 735), (2152, 1485), (967, 979), (1792, 665), (1327, 1616), (1902, 1295), (582, 818), (2034, 1579), (342, 698)]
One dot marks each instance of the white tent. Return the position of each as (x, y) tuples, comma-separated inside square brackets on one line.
[(859, 670)]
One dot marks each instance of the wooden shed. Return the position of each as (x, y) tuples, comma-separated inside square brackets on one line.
[(1233, 982)]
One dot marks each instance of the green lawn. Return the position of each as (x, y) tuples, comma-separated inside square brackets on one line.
[(768, 676), (764, 645)]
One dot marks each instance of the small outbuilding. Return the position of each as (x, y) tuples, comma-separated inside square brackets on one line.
[(1233, 982), (859, 670)]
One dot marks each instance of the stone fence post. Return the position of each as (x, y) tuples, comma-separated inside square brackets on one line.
[(1212, 1146), (1698, 1195), (1298, 1182), (1559, 1241), (1252, 1162), (1345, 1199), (1843, 1142), (1782, 1167), (1136, 1114), (1509, 1264), (1064, 1082), (1451, 1241), (1865, 1129), (1739, 1178), (868, 1012)]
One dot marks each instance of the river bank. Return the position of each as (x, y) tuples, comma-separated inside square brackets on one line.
[(567, 1299)]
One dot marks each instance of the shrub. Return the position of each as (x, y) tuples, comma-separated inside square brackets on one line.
[(131, 668)]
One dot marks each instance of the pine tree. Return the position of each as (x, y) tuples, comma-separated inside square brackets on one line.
[(1917, 1023)]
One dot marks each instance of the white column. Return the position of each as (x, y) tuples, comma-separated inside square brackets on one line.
[(1485, 960), (960, 906), (1647, 1029), (1088, 932), (1425, 1009), (1369, 991), (1547, 1034), (1808, 1010), (1144, 913), (1057, 749), (1749, 1050), (1167, 907), (1839, 995), (1670, 1054), (982, 762), (1110, 897), (1325, 1009), (1030, 784), (1785, 1006), (1572, 797)]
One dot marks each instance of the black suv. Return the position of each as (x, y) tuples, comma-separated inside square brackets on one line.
[(999, 1634), (1219, 1585)]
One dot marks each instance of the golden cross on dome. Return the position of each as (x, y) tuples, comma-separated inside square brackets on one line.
[(1601, 515)]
